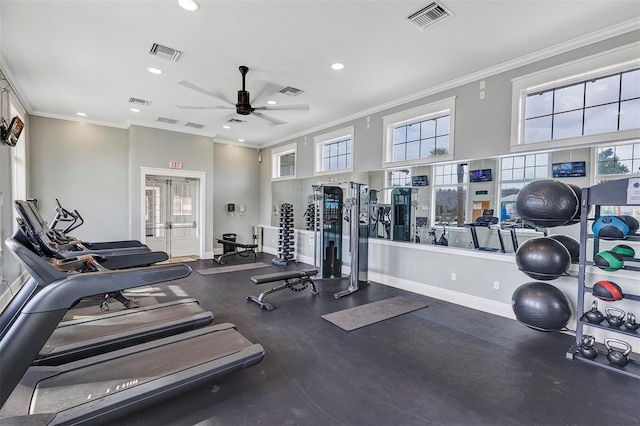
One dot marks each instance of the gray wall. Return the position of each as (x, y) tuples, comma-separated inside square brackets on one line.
[(236, 180), (96, 170), (86, 167)]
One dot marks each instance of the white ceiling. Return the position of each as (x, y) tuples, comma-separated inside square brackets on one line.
[(63, 57)]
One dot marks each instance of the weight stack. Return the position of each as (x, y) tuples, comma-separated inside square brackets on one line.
[(285, 236), (309, 218)]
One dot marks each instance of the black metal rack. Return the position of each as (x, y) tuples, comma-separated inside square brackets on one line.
[(611, 193), (285, 236)]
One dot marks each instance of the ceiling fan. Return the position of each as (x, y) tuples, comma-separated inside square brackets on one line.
[(243, 106)]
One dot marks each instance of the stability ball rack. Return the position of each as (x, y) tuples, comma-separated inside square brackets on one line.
[(327, 254)]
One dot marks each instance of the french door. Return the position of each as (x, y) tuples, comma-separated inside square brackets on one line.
[(171, 206)]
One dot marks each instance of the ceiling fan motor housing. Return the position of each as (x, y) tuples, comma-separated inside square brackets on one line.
[(243, 106)]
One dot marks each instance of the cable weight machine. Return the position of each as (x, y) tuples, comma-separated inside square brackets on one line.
[(332, 207)]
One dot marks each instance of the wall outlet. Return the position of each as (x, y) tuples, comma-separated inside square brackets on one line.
[(453, 276), (496, 285)]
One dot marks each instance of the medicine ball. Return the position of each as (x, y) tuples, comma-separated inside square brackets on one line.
[(607, 290), (543, 258), (610, 227), (571, 244), (631, 222), (608, 261), (547, 203), (624, 251), (541, 306)]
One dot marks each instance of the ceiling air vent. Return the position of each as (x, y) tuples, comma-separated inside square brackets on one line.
[(165, 52), (167, 120), (291, 91), (137, 101), (194, 125), (429, 15)]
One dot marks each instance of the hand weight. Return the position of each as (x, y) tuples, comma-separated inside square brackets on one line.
[(617, 356)]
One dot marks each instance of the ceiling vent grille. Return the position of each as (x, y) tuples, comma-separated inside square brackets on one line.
[(137, 101), (194, 125), (291, 91), (165, 52), (429, 15), (167, 120)]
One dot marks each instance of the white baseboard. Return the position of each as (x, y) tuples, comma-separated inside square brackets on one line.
[(469, 301)]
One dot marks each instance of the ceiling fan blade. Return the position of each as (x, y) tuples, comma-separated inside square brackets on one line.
[(269, 119), (202, 107), (299, 107), (199, 89), (262, 87)]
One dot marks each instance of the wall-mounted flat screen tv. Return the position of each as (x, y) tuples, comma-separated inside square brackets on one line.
[(480, 175), (419, 180), (569, 169)]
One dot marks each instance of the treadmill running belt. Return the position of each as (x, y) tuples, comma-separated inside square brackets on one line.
[(90, 336), (110, 385)]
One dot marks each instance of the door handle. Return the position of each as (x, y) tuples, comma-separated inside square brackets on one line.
[(194, 224)]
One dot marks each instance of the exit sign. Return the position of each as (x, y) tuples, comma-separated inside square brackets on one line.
[(175, 165), (482, 192)]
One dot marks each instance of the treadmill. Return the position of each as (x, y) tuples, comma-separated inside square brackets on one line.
[(43, 241), (110, 385)]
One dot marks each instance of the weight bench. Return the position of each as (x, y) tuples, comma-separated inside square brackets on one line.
[(245, 250), (293, 280)]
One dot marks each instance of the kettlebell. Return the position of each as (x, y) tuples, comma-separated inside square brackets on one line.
[(631, 323), (612, 319), (586, 347), (616, 356), (594, 316)]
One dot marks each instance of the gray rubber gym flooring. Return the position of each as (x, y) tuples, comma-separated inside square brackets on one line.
[(443, 365)]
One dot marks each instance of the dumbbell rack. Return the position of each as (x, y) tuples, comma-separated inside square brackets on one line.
[(285, 236), (611, 193)]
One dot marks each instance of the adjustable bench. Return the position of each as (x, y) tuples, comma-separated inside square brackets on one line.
[(293, 280), (240, 249)]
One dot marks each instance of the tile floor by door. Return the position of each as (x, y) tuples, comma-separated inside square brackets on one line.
[(441, 365)]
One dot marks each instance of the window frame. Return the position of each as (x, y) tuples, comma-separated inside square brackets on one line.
[(276, 155), (328, 138), (617, 60), (429, 111)]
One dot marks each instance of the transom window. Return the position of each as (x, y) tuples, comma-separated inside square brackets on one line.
[(336, 155), (602, 105), (284, 162), (420, 135), (421, 139), (334, 151)]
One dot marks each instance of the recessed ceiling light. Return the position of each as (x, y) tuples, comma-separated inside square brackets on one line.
[(272, 102), (134, 109), (82, 114), (153, 70), (240, 140), (189, 5), (226, 127), (337, 66)]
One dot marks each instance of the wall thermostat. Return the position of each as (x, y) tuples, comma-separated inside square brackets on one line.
[(231, 207)]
